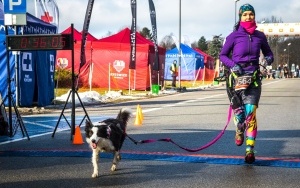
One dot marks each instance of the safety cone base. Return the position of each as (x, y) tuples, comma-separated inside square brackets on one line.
[(77, 137)]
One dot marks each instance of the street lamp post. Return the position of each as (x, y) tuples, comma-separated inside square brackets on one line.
[(284, 57), (235, 2), (288, 53), (179, 49)]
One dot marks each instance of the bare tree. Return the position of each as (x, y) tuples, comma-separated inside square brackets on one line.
[(168, 42)]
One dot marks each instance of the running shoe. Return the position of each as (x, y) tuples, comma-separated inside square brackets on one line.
[(239, 138), (249, 158)]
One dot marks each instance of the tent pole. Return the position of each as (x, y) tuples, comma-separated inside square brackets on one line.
[(150, 76), (134, 79), (203, 75), (91, 75), (109, 77), (196, 76), (129, 81), (158, 79)]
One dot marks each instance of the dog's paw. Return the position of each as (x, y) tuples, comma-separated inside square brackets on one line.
[(119, 157), (95, 175), (113, 168)]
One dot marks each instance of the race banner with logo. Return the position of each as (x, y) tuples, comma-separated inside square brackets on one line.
[(133, 36), (47, 10), (36, 82), (154, 33), (27, 78), (85, 29)]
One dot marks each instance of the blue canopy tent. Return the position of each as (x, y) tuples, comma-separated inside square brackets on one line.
[(191, 62), (3, 63), (36, 69)]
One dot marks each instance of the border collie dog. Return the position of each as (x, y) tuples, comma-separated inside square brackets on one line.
[(107, 136)]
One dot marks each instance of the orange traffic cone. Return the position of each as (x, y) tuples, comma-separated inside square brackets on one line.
[(77, 137), (138, 118)]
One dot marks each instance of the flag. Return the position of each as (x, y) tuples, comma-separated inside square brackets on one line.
[(85, 30), (47, 10), (154, 33), (133, 36)]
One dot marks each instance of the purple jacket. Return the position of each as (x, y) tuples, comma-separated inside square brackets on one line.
[(245, 49)]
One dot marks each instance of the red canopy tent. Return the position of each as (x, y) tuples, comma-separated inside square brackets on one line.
[(107, 61), (209, 61), (209, 67), (78, 35), (110, 65), (63, 55)]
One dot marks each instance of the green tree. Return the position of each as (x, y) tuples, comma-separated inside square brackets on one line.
[(202, 44), (145, 32), (215, 46)]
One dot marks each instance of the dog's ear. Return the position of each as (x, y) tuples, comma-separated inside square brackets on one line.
[(88, 123)]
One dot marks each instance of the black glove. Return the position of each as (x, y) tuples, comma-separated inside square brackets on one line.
[(237, 69), (269, 60)]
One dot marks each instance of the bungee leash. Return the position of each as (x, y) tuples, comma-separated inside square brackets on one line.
[(184, 148)]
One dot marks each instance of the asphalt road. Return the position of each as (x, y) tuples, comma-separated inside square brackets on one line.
[(191, 119)]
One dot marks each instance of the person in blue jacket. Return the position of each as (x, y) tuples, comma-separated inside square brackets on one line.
[(240, 55)]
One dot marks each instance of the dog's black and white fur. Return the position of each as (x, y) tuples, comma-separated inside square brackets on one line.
[(107, 136)]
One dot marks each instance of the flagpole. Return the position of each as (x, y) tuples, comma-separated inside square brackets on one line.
[(35, 5)]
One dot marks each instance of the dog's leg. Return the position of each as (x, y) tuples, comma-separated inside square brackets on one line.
[(95, 159), (116, 159)]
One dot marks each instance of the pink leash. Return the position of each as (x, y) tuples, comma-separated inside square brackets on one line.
[(187, 149)]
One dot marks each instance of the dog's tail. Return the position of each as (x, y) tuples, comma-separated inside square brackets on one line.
[(124, 115)]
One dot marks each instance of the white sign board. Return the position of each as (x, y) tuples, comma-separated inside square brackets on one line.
[(15, 12)]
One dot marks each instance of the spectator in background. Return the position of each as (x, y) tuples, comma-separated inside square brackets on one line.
[(285, 71), (269, 72), (280, 71), (293, 71), (174, 72)]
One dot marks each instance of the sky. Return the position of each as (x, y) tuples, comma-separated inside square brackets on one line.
[(198, 17)]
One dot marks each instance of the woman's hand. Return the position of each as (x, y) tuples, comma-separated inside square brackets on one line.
[(237, 69)]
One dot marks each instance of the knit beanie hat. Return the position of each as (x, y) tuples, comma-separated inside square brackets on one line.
[(245, 7)]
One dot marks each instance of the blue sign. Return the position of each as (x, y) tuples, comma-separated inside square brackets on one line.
[(15, 7)]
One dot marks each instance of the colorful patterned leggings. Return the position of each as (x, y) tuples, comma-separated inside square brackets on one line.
[(245, 120)]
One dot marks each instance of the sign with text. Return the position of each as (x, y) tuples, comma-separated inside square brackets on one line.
[(15, 12), (15, 6)]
